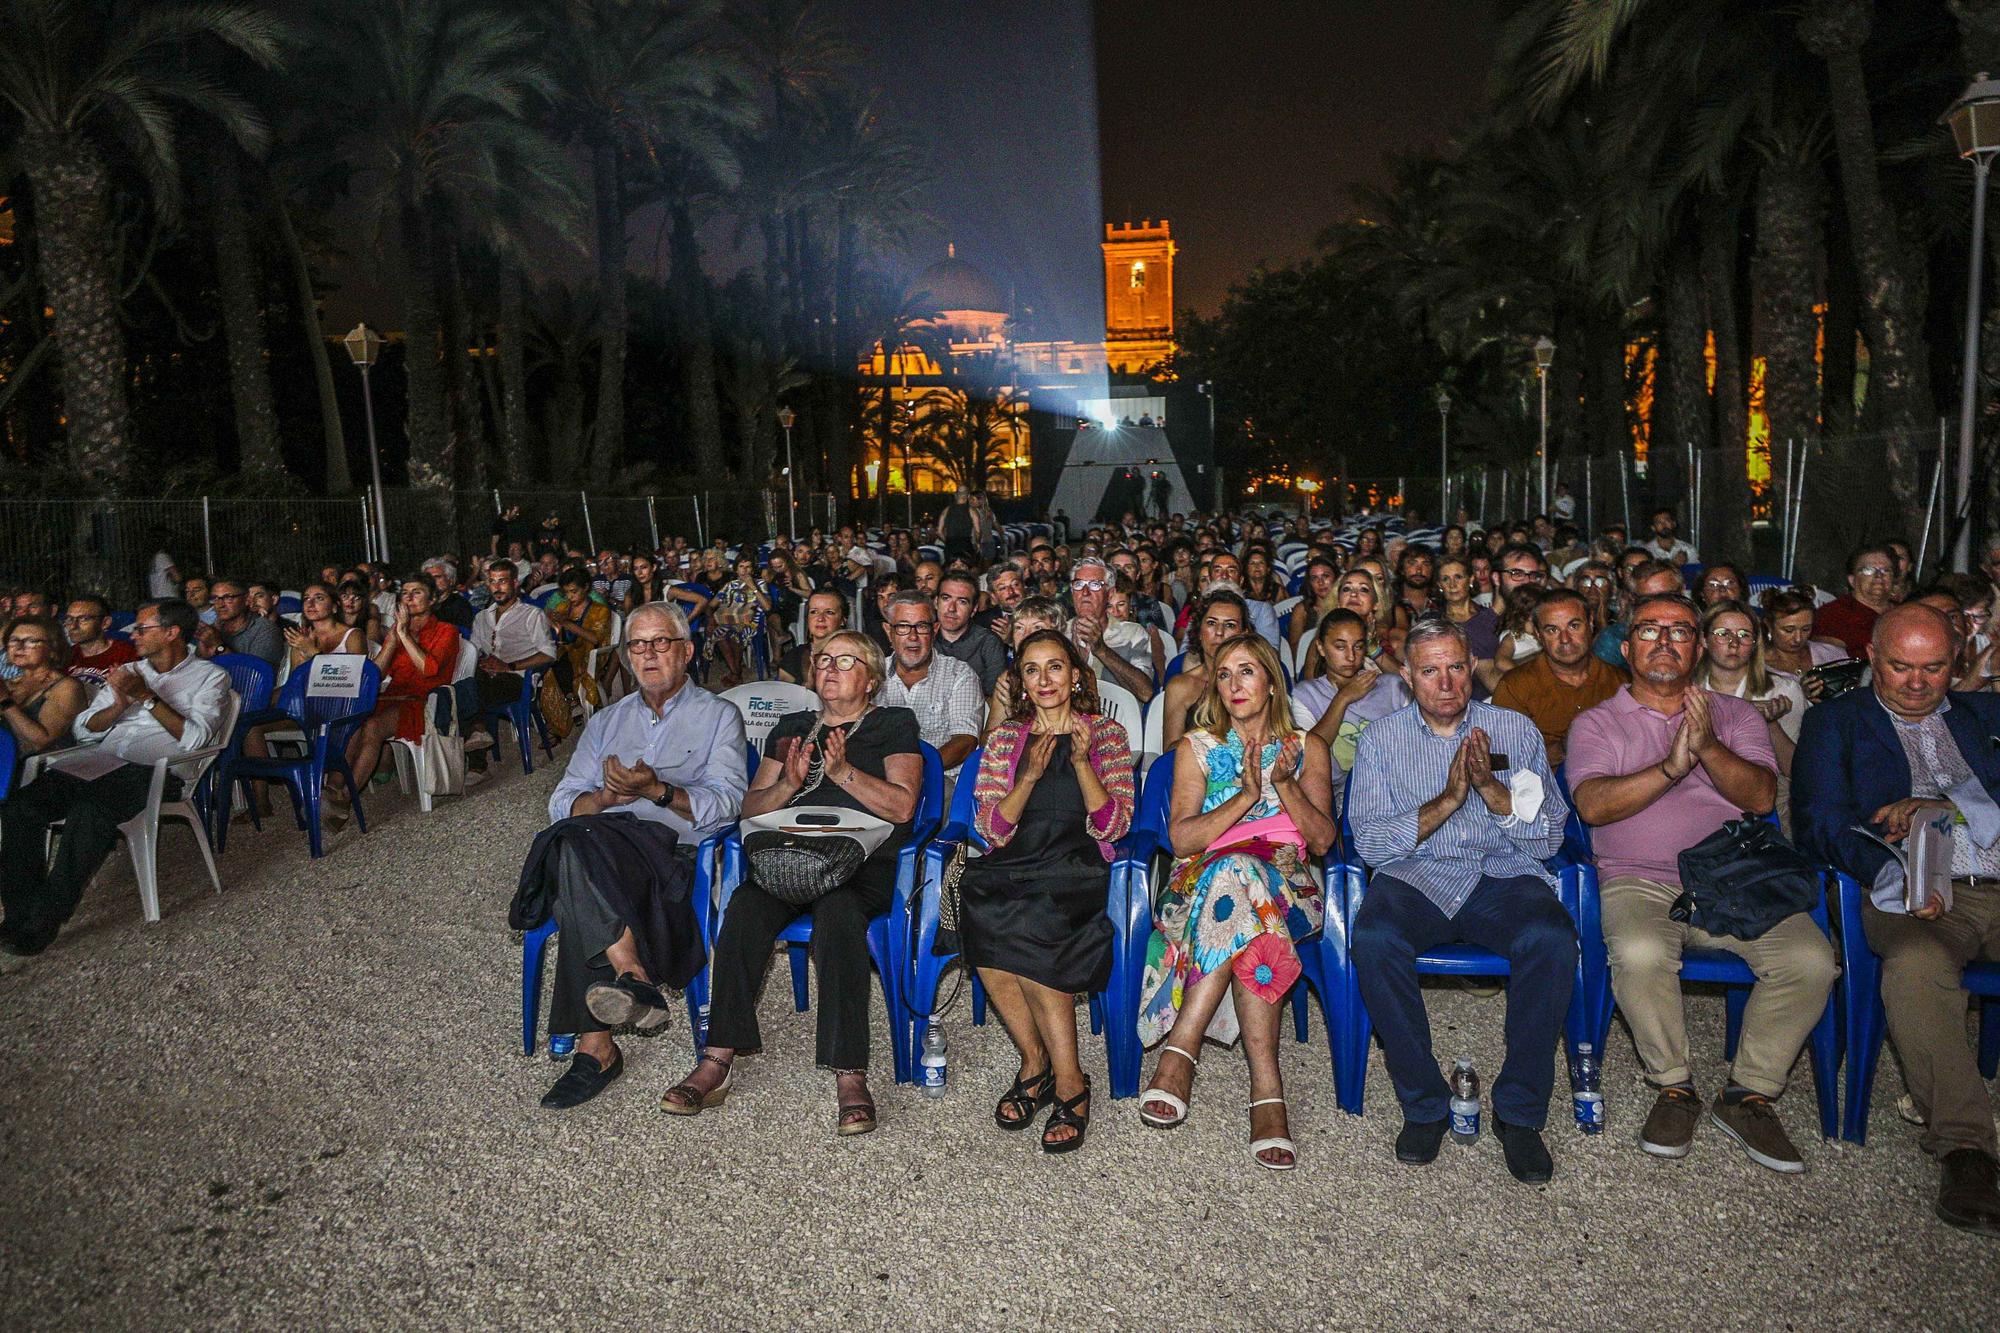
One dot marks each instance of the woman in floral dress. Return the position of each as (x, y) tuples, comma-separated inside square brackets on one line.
[(1249, 825)]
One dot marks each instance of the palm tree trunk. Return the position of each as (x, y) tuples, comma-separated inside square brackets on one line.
[(72, 189), (1839, 329), (339, 481), (1784, 278), (695, 331), (1681, 403), (429, 462), (513, 333), (1719, 243), (1604, 393), (469, 420), (615, 317), (259, 459), (1892, 320)]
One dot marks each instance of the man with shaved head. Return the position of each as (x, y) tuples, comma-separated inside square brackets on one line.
[(1884, 758)]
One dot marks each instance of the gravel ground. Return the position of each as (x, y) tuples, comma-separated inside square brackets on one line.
[(305, 1103)]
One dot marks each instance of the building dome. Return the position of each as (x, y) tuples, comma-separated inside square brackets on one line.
[(952, 286)]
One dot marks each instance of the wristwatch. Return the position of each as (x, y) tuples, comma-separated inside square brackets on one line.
[(666, 795)]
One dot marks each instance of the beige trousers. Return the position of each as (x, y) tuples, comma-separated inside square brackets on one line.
[(1793, 962), (1921, 966)]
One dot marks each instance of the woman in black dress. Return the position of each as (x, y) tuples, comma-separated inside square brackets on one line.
[(1054, 793)]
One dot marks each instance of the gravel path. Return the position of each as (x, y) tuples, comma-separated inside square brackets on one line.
[(304, 1103)]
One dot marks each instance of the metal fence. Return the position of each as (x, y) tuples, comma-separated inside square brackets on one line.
[(1796, 510), (108, 546)]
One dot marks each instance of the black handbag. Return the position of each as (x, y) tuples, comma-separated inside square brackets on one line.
[(801, 868), (1743, 879)]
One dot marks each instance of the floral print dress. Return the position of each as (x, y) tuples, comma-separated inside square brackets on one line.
[(1244, 904)]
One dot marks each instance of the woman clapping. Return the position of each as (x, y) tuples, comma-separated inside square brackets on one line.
[(1054, 793)]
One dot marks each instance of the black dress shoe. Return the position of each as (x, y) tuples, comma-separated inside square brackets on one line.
[(1969, 1191), (1527, 1155), (1418, 1142), (584, 1079), (628, 1000)]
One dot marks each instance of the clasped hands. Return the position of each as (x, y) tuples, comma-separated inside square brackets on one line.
[(1042, 749), (624, 784), (1472, 771)]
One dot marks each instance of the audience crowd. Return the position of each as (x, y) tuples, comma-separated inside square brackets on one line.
[(1434, 707)]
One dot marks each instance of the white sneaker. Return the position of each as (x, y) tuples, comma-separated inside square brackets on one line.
[(478, 741)]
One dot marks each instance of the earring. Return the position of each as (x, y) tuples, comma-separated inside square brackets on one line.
[(1076, 687)]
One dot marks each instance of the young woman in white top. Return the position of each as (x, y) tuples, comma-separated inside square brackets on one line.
[(1734, 664)]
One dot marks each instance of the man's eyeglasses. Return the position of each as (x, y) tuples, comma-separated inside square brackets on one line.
[(137, 628), (1521, 575), (1090, 585), (652, 647), (1873, 572), (1718, 583), (912, 631), (1721, 635), (1595, 582), (1652, 632), (836, 662)]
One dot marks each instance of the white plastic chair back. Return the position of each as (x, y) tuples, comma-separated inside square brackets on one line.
[(1302, 655), (1153, 732), (1122, 706), (763, 702)]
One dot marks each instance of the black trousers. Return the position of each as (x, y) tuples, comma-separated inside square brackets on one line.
[(587, 923), (40, 897), (840, 956)]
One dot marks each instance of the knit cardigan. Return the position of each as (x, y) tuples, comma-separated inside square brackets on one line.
[(1110, 759)]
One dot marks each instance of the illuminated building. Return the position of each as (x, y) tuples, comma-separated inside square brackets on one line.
[(967, 350)]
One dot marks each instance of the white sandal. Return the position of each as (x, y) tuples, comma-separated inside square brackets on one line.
[(1265, 1145), (1180, 1107)]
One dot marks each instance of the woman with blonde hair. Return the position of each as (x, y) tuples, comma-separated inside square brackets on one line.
[(1249, 823), (1733, 663)]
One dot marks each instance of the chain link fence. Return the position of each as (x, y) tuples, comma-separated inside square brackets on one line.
[(110, 546), (1794, 510)]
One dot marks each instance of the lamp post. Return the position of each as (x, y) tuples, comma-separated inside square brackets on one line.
[(1975, 125), (1444, 457), (1545, 356), (362, 345), (785, 419)]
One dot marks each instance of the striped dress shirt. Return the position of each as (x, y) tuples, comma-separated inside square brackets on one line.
[(1401, 764)]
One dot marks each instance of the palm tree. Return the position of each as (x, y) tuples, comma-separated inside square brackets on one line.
[(239, 284), (84, 78), (646, 78), (439, 101), (966, 431)]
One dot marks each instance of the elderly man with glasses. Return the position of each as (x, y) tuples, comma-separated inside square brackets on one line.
[(168, 702), (1090, 599), (1656, 768), (672, 756), (942, 691)]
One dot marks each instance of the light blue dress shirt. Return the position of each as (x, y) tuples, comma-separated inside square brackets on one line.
[(696, 743)]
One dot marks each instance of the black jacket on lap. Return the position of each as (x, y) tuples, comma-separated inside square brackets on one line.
[(633, 861)]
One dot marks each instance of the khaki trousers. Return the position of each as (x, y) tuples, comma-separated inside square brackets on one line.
[(1793, 962), (1921, 966)]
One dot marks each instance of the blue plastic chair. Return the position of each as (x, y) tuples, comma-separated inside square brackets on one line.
[(1174, 667), (1452, 960), (1860, 990), (521, 714), (9, 760), (290, 606), (1715, 966), (888, 933), (121, 623), (252, 678), (327, 723)]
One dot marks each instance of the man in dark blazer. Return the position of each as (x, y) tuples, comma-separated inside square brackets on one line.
[(1882, 758)]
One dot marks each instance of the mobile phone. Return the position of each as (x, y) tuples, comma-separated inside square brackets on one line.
[(1497, 762)]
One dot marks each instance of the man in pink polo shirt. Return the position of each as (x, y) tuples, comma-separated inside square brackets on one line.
[(1656, 768)]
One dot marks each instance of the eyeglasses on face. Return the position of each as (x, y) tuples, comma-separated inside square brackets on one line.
[(18, 642), (1873, 572), (1652, 631), (1721, 635), (650, 647), (836, 662), (1090, 585), (1724, 582), (912, 631)]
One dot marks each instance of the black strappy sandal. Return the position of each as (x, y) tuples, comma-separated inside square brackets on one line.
[(1028, 1095), (851, 1118), (685, 1099), (1064, 1113)]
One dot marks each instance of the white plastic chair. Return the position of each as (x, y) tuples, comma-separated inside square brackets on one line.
[(1122, 706), (1300, 655), (1153, 732), (595, 662), (763, 702), (410, 773), (142, 831)]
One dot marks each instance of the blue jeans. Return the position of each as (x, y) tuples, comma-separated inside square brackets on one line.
[(1520, 919)]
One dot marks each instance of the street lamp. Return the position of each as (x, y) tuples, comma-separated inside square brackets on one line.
[(362, 345), (1975, 125), (1444, 457), (1545, 356), (785, 419)]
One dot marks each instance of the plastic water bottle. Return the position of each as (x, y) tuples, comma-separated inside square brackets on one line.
[(931, 1064), (562, 1045), (1464, 1102), (1586, 1099)]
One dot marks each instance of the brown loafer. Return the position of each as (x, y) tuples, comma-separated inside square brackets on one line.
[(1969, 1191), (1752, 1120)]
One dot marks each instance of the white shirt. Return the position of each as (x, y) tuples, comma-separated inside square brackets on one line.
[(947, 701), (160, 582), (696, 743), (1784, 685), (196, 689), (1675, 552), (522, 632)]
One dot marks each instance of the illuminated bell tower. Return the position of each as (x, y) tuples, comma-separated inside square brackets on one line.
[(1138, 294)]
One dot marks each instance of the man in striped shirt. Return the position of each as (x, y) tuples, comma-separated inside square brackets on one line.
[(1453, 805)]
